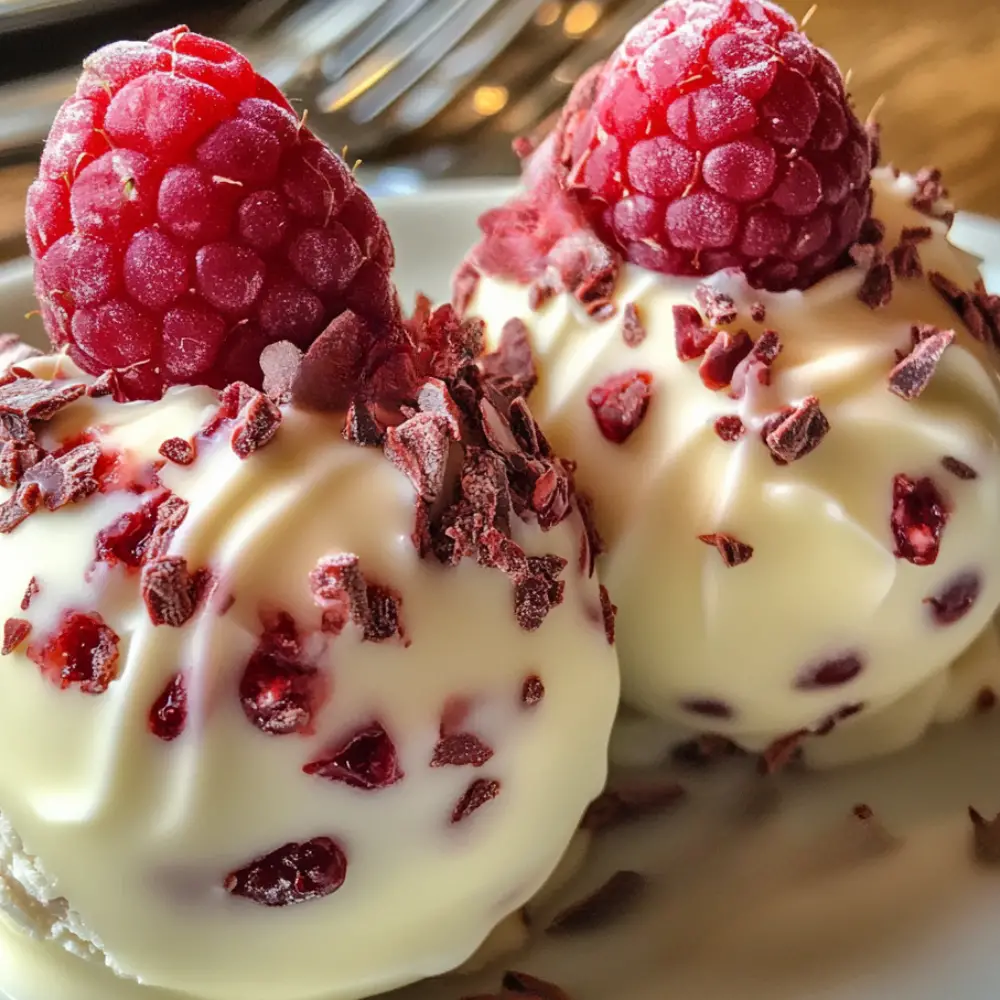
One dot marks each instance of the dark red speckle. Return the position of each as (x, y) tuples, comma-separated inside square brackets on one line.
[(830, 673), (957, 598), (366, 760), (619, 404), (481, 791), (532, 691), (919, 515), (294, 873), (82, 651), (460, 750), (168, 715), (712, 708)]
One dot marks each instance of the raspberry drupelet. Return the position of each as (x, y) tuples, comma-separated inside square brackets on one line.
[(717, 136), (184, 218)]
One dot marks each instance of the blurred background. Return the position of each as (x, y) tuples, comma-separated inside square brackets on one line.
[(430, 90)]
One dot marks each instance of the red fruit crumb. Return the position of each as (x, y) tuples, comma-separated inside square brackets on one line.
[(15, 631), (724, 354), (127, 539), (831, 673), (184, 218), (366, 760), (919, 515), (717, 136), (713, 708), (294, 873), (633, 330), (619, 404), (733, 551), (532, 691), (460, 750), (913, 373), (481, 791), (171, 591), (168, 715), (608, 613), (796, 431), (419, 448), (729, 428), (178, 451), (959, 468), (281, 694), (83, 650), (691, 335), (957, 598), (32, 591)]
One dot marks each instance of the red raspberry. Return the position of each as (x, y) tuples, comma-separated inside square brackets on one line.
[(717, 136), (183, 219)]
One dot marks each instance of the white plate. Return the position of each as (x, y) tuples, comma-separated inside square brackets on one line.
[(760, 891)]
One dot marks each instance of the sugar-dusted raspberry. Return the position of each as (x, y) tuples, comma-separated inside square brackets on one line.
[(183, 219), (717, 136)]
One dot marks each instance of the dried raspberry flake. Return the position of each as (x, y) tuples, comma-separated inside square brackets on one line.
[(718, 308), (986, 700), (619, 404), (691, 335), (69, 477), (713, 708), (538, 591), (280, 693), (616, 898), (16, 509), (16, 458), (434, 397), (27, 399), (957, 599), (258, 423), (170, 514), (383, 621), (32, 591), (294, 873), (366, 760), (127, 539), (481, 791), (833, 672), (540, 291), (618, 806), (904, 258), (915, 234), (758, 312), (876, 289), (13, 351), (755, 368), (511, 367), (796, 431), (959, 468), (872, 232), (460, 750), (464, 287), (919, 515), (633, 330), (339, 589), (361, 427), (532, 691), (83, 650), (168, 716), (419, 448), (171, 591), (733, 551), (724, 354), (179, 451), (930, 191), (15, 631), (280, 363), (913, 374), (782, 752), (608, 613), (985, 838), (963, 303), (108, 384), (729, 428), (522, 983)]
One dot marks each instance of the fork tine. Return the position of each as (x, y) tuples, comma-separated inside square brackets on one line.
[(373, 33)]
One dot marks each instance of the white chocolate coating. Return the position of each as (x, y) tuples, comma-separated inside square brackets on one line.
[(823, 581), (138, 834)]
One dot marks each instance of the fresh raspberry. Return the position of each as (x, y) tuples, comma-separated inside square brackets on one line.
[(183, 219), (717, 136)]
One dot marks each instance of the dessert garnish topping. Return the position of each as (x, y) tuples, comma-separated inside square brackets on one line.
[(957, 598), (366, 760), (913, 373), (919, 516), (481, 791), (633, 329), (620, 402), (294, 873), (795, 431), (733, 551)]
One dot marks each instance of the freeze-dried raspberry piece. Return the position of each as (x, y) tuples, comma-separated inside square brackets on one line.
[(691, 336), (511, 367), (69, 477), (25, 399), (904, 258), (30, 593), (171, 591), (964, 304), (913, 373), (361, 427), (366, 760), (959, 468), (620, 402), (279, 692), (464, 287), (956, 600), (718, 308), (722, 358), (481, 791), (539, 591), (711, 708), (82, 650), (608, 613), (930, 193), (796, 431), (18, 508), (16, 458), (293, 873), (532, 691), (170, 514), (833, 672), (256, 425), (435, 397), (733, 551), (339, 588), (108, 384), (127, 539), (919, 516), (419, 448), (876, 289), (280, 363), (460, 750), (758, 312), (168, 715), (633, 330), (15, 631), (13, 351), (755, 368), (729, 428), (179, 451), (384, 620)]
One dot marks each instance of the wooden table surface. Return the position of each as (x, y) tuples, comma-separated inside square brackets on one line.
[(934, 63)]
